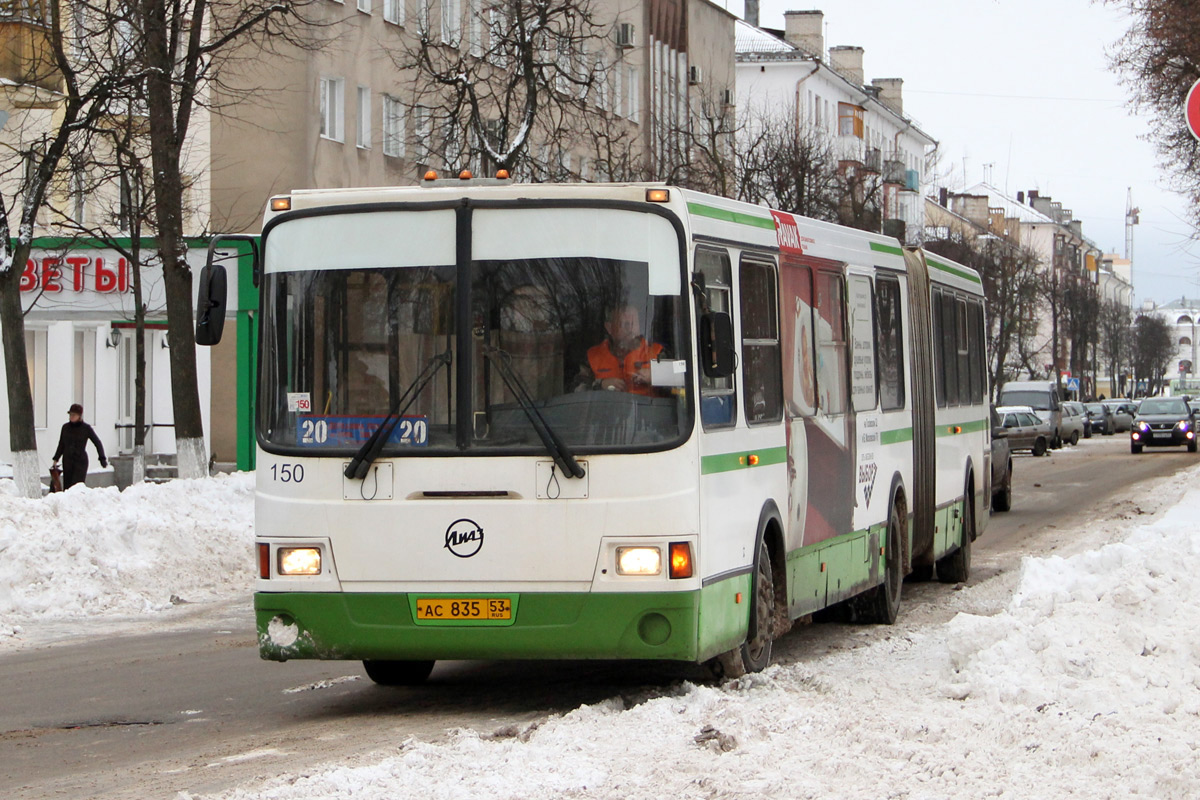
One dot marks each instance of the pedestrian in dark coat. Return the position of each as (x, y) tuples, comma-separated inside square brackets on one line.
[(72, 444)]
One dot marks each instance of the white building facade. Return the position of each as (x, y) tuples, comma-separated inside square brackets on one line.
[(790, 72)]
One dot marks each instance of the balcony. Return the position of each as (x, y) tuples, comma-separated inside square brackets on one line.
[(26, 58)]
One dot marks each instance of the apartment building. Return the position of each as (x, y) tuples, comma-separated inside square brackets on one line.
[(827, 92)]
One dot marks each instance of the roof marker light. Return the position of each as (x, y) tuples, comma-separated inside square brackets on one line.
[(281, 203), (465, 175), (431, 175), (502, 174), (658, 195)]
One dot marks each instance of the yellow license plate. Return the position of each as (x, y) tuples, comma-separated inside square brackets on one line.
[(464, 608)]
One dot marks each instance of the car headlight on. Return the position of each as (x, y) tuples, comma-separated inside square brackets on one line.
[(639, 561), (1144, 427), (1182, 425), (299, 561)]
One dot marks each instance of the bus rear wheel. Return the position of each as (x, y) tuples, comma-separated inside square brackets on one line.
[(882, 604), (398, 673), (955, 567)]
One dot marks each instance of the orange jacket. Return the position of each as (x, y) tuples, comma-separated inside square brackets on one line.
[(606, 365)]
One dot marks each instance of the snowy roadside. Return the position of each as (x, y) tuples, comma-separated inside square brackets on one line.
[(1085, 682), (91, 558)]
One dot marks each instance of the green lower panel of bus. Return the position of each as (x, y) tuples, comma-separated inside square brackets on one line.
[(681, 626)]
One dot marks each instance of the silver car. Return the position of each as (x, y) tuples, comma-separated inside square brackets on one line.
[(1026, 431), (1123, 412), (1074, 422)]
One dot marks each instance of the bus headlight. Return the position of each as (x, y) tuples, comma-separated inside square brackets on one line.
[(639, 561), (299, 561)]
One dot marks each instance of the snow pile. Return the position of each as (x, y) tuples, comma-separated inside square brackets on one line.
[(102, 552), (1086, 685)]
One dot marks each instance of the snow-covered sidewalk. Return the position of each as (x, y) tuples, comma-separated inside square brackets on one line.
[(90, 554)]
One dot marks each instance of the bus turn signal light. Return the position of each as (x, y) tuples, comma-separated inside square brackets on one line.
[(681, 560), (753, 460), (264, 560)]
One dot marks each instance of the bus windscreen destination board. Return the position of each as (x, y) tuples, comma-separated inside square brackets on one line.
[(335, 431)]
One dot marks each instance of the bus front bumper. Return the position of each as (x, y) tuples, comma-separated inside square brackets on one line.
[(369, 626)]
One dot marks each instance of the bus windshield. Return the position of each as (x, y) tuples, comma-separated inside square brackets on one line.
[(593, 344)]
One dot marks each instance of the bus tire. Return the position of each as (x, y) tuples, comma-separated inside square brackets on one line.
[(398, 673), (881, 605), (756, 652), (955, 567)]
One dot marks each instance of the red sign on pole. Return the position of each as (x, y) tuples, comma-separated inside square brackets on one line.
[(1191, 110)]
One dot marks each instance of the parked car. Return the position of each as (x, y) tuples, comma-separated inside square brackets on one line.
[(1001, 466), (1100, 418), (1164, 422), (1026, 430), (1042, 397), (1074, 422), (1122, 414)]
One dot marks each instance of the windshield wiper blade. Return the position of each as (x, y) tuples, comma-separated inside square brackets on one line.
[(361, 463), (554, 445)]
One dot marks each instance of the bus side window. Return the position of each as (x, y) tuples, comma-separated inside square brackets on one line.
[(762, 380), (831, 343), (946, 342), (863, 380), (976, 351), (718, 396), (965, 367), (889, 338)]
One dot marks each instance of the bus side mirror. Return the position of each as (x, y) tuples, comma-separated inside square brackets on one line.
[(210, 309), (716, 345)]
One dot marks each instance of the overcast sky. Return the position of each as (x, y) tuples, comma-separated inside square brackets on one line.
[(1019, 91)]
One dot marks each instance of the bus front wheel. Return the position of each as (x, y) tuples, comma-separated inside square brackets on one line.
[(755, 654), (398, 673)]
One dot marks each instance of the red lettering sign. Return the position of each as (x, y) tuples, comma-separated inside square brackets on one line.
[(106, 278), (29, 278), (51, 275), (77, 264)]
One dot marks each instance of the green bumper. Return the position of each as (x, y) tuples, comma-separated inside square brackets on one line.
[(662, 625)]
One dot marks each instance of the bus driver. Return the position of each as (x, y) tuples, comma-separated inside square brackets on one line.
[(622, 361)]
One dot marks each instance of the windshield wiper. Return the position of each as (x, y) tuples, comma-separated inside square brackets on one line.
[(361, 463), (554, 445)]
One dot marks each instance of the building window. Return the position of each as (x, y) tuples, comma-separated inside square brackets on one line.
[(364, 6), (364, 117), (850, 120), (333, 109), (393, 127), (393, 11), (451, 21), (35, 361), (632, 95), (1185, 341), (1184, 320)]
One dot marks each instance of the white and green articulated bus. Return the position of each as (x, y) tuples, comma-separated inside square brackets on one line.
[(598, 421)]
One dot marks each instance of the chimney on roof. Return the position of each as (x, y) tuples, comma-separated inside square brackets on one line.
[(751, 15), (1033, 195), (806, 30), (943, 196), (889, 92), (1021, 198), (848, 60)]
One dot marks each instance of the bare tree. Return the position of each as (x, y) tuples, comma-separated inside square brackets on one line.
[(181, 48), (518, 72), (1159, 60), (1115, 344), (1153, 350), (79, 65)]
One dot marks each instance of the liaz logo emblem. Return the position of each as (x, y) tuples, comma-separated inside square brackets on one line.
[(464, 537)]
